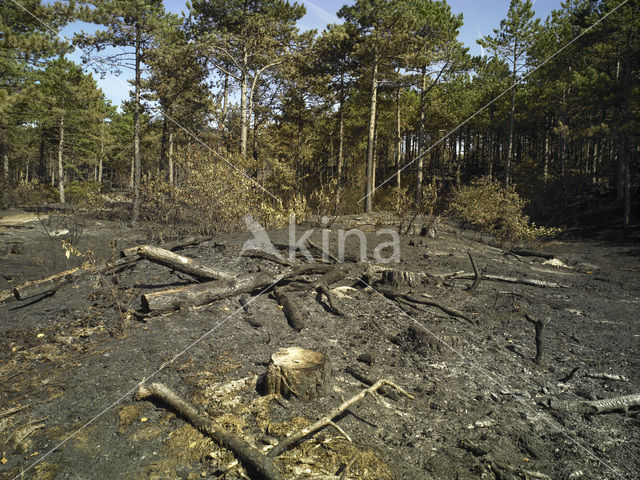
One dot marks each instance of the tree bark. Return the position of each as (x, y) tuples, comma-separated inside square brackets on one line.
[(136, 131), (101, 153), (340, 164), (60, 165), (166, 301), (398, 141), (243, 108), (170, 157), (368, 205), (420, 163)]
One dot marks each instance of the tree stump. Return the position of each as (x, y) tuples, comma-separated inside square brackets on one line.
[(294, 371)]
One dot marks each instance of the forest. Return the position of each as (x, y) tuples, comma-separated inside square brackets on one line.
[(232, 107), (460, 298)]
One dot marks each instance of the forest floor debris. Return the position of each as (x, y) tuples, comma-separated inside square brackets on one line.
[(65, 357)]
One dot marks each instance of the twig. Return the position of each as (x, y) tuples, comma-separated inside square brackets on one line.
[(11, 411), (259, 466), (345, 472), (292, 440), (326, 254)]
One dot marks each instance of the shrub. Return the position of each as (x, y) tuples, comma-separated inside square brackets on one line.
[(84, 194), (211, 196), (495, 210), (30, 193)]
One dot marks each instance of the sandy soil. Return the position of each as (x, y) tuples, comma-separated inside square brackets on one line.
[(480, 407)]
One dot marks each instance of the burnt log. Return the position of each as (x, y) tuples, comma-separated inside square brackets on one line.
[(54, 282), (182, 264), (165, 301)]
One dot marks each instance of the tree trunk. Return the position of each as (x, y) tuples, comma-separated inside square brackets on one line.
[(340, 152), (101, 154), (293, 371), (42, 165), (507, 165), (243, 109), (170, 157), (60, 165), (368, 206), (163, 142), (225, 99), (545, 172), (420, 163), (136, 132), (398, 141)]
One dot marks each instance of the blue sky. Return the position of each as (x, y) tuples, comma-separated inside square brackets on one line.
[(480, 18)]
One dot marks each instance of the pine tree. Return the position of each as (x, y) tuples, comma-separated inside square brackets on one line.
[(242, 39), (512, 42), (72, 103), (131, 25)]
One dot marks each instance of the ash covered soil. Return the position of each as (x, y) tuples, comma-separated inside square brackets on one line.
[(70, 361)]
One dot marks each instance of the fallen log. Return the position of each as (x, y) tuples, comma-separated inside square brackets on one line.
[(54, 282), (499, 278), (290, 309), (165, 301), (292, 440), (258, 466), (531, 253), (182, 264), (597, 406)]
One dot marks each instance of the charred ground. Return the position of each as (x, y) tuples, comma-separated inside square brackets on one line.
[(481, 402)]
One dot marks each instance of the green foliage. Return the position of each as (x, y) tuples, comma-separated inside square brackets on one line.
[(495, 210), (30, 193), (212, 196), (84, 194)]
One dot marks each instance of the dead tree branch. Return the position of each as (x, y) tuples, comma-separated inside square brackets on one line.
[(540, 328), (597, 406), (499, 278), (294, 439), (395, 295), (259, 466), (476, 272)]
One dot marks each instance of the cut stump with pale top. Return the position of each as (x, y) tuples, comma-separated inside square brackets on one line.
[(298, 372)]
